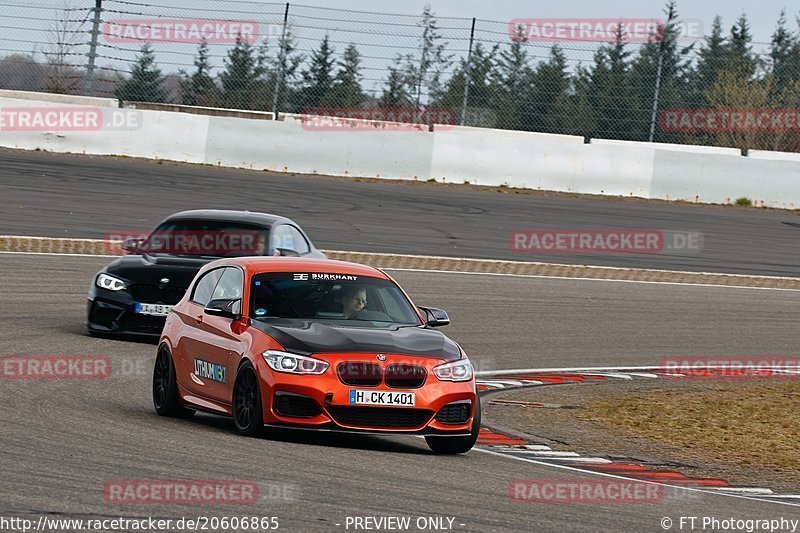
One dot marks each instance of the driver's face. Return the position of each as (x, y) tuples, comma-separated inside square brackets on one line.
[(355, 302)]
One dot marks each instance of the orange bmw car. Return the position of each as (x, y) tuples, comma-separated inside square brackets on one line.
[(315, 344)]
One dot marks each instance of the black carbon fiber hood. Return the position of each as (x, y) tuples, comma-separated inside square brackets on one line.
[(314, 338)]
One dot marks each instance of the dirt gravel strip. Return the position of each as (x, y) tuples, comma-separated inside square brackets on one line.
[(55, 245)]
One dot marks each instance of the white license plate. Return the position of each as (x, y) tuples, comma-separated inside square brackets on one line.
[(153, 309), (382, 397)]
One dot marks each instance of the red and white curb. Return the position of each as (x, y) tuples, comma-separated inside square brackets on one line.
[(517, 448)]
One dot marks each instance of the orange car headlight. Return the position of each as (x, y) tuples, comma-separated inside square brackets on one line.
[(290, 363), (457, 371)]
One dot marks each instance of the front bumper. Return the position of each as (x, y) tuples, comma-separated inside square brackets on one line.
[(114, 313), (323, 402)]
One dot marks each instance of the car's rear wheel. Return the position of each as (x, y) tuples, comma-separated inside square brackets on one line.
[(247, 412), (454, 445), (165, 387)]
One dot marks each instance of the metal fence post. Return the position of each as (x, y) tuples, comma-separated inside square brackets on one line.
[(657, 94), (88, 86), (281, 60), (467, 75)]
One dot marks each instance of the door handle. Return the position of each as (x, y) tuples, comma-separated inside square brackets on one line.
[(199, 319)]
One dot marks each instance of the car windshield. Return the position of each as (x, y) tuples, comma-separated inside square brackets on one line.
[(334, 299), (207, 238)]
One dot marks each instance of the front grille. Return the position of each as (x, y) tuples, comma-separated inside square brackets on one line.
[(142, 324), (295, 405), (454, 413), (361, 374), (379, 417), (154, 294), (405, 376)]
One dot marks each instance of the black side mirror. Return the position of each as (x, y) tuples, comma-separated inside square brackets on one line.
[(435, 318), (224, 308), (286, 252), (132, 245)]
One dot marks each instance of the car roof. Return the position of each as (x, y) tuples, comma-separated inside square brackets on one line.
[(301, 265), (222, 215)]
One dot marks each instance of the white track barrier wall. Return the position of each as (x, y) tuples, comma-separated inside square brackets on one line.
[(133, 133), (455, 155)]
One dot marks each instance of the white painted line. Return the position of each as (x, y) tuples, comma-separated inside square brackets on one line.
[(645, 375), (577, 370), (552, 453), (609, 375), (109, 257), (784, 496), (600, 370), (566, 278), (500, 384), (527, 459), (537, 447), (591, 460), (743, 490)]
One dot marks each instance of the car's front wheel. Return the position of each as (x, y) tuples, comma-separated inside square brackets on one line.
[(454, 445), (247, 412), (165, 387)]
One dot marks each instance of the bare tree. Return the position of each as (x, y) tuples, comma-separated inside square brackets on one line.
[(65, 35)]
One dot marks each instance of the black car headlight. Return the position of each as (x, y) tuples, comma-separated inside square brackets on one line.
[(294, 364), (110, 283)]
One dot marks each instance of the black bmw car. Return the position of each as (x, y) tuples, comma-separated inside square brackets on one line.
[(134, 294)]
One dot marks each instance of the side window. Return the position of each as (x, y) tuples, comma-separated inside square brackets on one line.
[(230, 286), (299, 241), (283, 237), (205, 287)]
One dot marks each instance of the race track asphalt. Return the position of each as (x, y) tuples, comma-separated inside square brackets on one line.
[(63, 440), (55, 195)]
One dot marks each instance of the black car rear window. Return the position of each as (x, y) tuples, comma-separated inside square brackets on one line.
[(207, 238)]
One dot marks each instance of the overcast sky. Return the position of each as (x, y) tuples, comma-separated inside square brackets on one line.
[(763, 14), (379, 36)]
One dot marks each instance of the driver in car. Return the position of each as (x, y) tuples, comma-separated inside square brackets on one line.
[(354, 299)]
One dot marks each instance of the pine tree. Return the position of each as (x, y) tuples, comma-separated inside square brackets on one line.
[(318, 78), (573, 113), (550, 82), (740, 56), (784, 55), (481, 97), (662, 55), (242, 78), (285, 64), (513, 79), (144, 85), (199, 88), (346, 91), (425, 72), (396, 93), (611, 94), (712, 58)]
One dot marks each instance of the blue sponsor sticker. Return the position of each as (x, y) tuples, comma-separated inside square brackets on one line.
[(211, 371), (137, 307)]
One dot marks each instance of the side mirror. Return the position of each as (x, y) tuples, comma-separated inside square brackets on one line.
[(435, 318), (224, 308), (286, 252), (132, 245)]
